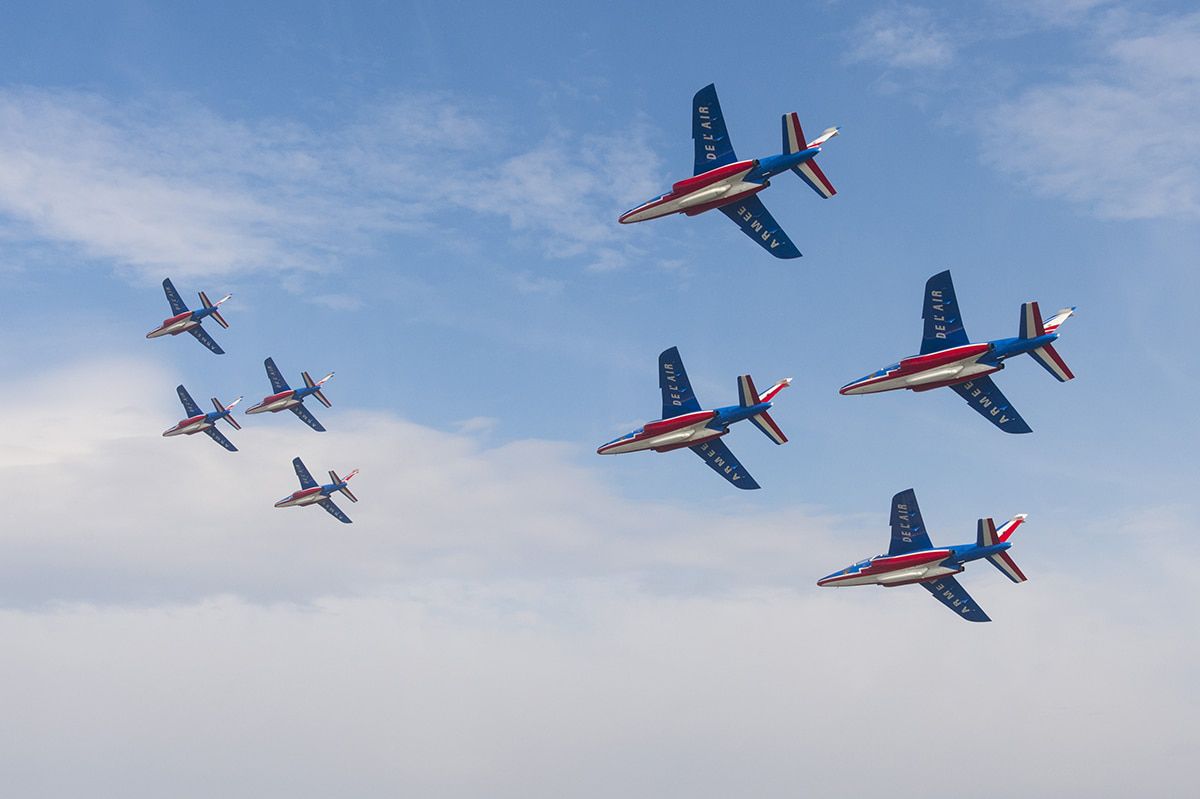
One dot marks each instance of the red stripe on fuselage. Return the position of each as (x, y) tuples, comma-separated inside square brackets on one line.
[(689, 185)]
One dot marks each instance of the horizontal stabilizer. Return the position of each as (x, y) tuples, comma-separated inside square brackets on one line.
[(1004, 562), (766, 424), (1052, 324), (1053, 363)]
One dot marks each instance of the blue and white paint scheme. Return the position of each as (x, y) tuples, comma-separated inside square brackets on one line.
[(684, 424), (286, 398), (198, 421), (312, 493), (912, 558), (189, 321), (948, 358), (720, 180)]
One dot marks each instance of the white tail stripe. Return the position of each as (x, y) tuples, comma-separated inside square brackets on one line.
[(1010, 526), (1059, 317), (795, 141), (1007, 565), (815, 178)]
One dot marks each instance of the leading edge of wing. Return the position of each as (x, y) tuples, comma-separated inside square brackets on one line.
[(756, 222), (985, 397), (721, 460), (947, 591)]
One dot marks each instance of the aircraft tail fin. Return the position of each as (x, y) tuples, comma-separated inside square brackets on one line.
[(794, 142), (225, 409), (344, 488), (989, 535), (207, 303), (1032, 326), (748, 396), (320, 395)]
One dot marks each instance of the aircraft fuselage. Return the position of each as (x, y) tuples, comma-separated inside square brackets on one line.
[(180, 323), (187, 427), (305, 496), (945, 367), (717, 187), (685, 430), (910, 567), (277, 402)]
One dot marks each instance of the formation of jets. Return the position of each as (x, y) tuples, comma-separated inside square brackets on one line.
[(282, 398), (720, 180)]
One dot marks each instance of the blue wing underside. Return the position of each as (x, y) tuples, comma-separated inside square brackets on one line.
[(943, 323), (722, 461), (307, 418), (334, 511), (948, 591), (985, 397), (711, 139), (678, 397), (756, 222), (189, 404), (302, 474), (278, 384), (205, 339), (218, 437), (908, 529), (178, 306)]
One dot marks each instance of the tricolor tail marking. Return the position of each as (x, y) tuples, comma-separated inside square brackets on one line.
[(990, 536)]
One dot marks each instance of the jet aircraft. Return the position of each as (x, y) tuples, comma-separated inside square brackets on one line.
[(721, 181), (312, 493), (912, 558), (198, 421), (292, 399), (684, 424), (949, 359), (186, 321)]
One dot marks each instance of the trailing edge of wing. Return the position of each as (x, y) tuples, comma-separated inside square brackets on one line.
[(947, 591), (756, 222), (721, 460)]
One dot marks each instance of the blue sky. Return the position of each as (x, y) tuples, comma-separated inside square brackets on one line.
[(424, 200)]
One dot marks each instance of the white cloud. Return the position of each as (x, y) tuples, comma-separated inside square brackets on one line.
[(1122, 137), (496, 622), (166, 184), (905, 37)]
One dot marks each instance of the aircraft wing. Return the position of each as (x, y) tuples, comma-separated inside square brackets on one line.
[(189, 404), (219, 437), (756, 222), (908, 529), (205, 339), (178, 306), (721, 460), (307, 417), (306, 479), (943, 325), (334, 511), (947, 591), (278, 384), (984, 396), (677, 395), (713, 148)]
